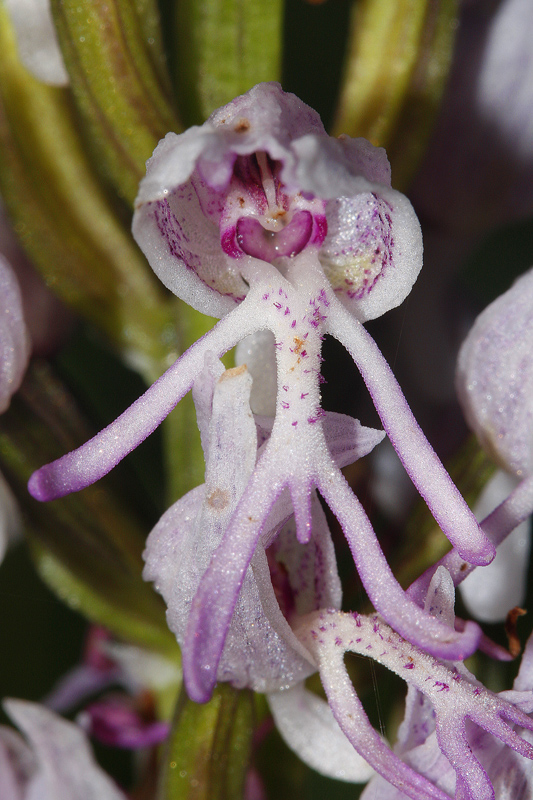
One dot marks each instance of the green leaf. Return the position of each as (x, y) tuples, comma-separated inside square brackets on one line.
[(89, 546), (209, 748), (399, 54), (66, 222), (223, 48), (113, 53)]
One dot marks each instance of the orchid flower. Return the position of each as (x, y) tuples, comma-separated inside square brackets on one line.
[(55, 764), (123, 718), (259, 217), (495, 387), (487, 768)]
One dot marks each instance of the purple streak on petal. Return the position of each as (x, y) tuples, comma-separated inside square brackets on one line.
[(97, 457), (499, 524), (214, 602), (386, 594), (418, 457), (486, 645), (267, 245)]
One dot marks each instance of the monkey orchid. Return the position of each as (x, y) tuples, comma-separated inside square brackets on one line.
[(262, 219)]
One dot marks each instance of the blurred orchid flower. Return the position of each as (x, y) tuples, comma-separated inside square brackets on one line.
[(478, 171), (121, 718), (495, 387), (261, 218), (480, 767), (37, 40), (55, 763)]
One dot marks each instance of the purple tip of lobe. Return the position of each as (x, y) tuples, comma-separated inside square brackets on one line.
[(44, 485)]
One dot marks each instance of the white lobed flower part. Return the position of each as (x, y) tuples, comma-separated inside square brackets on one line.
[(55, 764), (495, 378), (258, 216), (443, 701)]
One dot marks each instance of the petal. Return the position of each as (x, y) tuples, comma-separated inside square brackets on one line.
[(307, 725), (328, 648), (260, 650), (373, 250), (67, 769), (347, 439), (311, 569), (454, 694)]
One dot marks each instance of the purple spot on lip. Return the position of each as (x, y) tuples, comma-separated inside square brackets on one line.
[(257, 241)]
